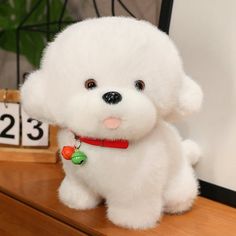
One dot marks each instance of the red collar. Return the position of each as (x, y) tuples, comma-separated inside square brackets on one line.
[(123, 144)]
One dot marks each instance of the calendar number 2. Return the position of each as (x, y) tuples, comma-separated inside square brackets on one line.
[(4, 133), (9, 123)]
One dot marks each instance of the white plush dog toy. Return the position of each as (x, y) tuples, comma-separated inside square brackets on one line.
[(113, 84)]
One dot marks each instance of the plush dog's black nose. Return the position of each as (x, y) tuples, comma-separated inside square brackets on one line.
[(112, 97)]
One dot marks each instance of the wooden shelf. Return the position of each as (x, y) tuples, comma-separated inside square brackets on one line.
[(29, 191)]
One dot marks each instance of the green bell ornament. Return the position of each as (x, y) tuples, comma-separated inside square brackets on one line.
[(78, 157)]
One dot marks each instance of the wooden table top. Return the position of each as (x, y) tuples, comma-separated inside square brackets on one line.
[(36, 185)]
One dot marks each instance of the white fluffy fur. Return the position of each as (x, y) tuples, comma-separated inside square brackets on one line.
[(154, 174)]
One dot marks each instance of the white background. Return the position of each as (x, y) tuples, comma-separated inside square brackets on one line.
[(205, 33)]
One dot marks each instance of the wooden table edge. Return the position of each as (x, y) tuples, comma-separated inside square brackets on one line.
[(81, 227)]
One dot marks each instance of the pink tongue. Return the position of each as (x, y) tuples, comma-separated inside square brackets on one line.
[(112, 123)]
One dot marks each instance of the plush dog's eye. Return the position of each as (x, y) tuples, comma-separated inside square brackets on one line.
[(139, 84), (90, 84)]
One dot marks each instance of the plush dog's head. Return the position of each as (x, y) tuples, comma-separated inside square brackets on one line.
[(111, 77)]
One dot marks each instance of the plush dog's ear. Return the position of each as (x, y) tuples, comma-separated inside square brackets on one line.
[(189, 100), (34, 94)]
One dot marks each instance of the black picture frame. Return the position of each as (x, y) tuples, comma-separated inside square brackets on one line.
[(165, 15)]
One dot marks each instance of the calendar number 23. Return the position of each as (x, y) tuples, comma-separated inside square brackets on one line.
[(33, 132)]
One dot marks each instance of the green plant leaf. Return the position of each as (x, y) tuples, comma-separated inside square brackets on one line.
[(5, 11), (8, 40), (38, 15), (4, 22), (35, 41), (5, 8), (19, 8), (12, 12)]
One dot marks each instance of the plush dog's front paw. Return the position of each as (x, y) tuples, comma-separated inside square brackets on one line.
[(135, 217), (77, 196)]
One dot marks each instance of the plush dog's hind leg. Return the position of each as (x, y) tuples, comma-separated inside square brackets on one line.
[(183, 188), (181, 191)]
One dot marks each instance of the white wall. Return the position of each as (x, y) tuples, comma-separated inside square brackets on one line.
[(205, 33)]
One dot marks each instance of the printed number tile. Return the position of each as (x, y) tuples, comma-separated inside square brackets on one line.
[(9, 123), (34, 132)]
